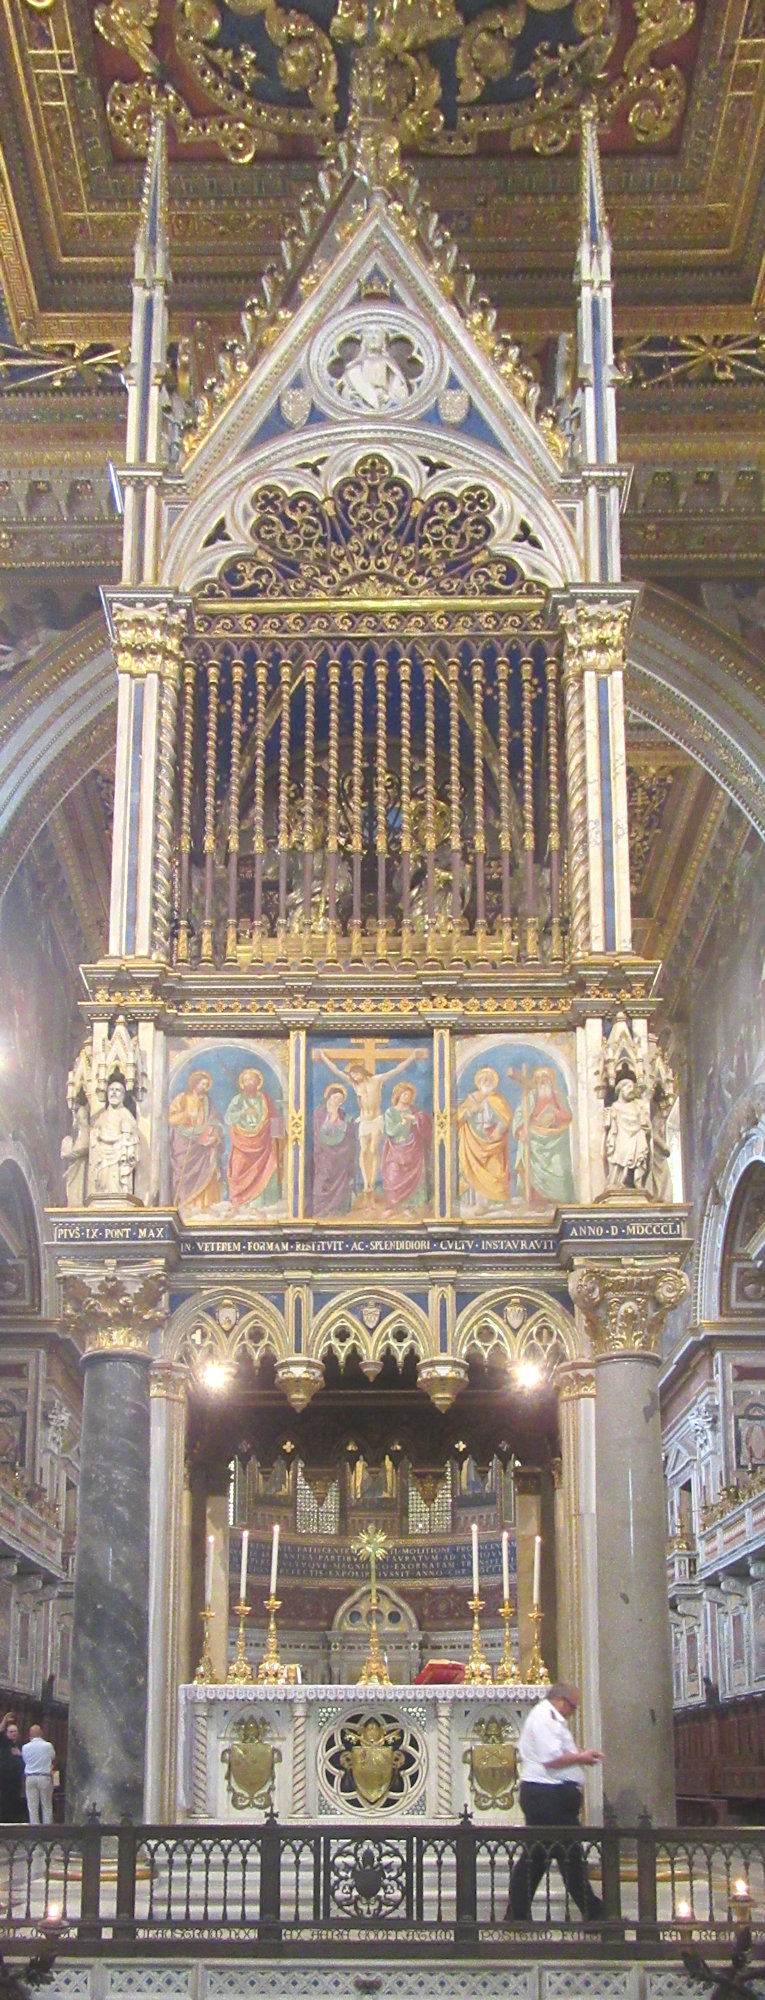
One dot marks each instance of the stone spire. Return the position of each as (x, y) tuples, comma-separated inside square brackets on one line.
[(146, 372), (597, 372)]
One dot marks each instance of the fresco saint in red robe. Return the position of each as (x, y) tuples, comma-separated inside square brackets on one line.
[(255, 1162)]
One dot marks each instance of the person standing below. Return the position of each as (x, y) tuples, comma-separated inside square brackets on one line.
[(12, 1810), (39, 1759), (552, 1770)]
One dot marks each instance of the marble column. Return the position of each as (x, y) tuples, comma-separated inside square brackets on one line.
[(528, 1513), (168, 1431), (576, 1555), (107, 1716), (217, 1526), (625, 1305)]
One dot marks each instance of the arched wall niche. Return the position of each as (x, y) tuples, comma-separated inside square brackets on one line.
[(719, 1213), (742, 1281), (23, 1290)]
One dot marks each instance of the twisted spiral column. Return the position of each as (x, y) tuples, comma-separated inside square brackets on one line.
[(444, 1806), (576, 780), (299, 1760)]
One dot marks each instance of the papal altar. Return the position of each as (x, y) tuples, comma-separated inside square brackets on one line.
[(314, 1752)]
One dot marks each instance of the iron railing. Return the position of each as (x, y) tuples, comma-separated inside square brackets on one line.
[(321, 1889)]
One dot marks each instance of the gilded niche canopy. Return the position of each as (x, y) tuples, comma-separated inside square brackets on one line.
[(241, 74), (372, 537)]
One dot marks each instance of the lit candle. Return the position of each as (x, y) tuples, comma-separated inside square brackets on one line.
[(474, 1538), (243, 1569), (208, 1571), (537, 1569), (505, 1566), (274, 1558)]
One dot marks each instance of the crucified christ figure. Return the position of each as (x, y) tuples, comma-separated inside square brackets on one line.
[(366, 1080)]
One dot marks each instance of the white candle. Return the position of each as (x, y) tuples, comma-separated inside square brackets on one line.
[(274, 1558), (208, 1571), (476, 1580), (243, 1569), (505, 1566), (537, 1569)]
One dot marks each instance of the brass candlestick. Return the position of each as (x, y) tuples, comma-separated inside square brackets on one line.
[(477, 1669), (507, 1670), (205, 1671), (271, 1672), (374, 1670), (370, 1545), (240, 1669), (536, 1670)]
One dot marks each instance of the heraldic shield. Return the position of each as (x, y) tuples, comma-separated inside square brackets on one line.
[(250, 1764), (372, 1757), (493, 1763)]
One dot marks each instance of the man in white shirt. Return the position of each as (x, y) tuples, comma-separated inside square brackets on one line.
[(39, 1758), (552, 1769)]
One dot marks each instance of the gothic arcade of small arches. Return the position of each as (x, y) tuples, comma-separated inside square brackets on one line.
[(371, 1447)]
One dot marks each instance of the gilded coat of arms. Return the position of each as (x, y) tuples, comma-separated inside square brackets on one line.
[(250, 1761), (372, 1755), (491, 1757)]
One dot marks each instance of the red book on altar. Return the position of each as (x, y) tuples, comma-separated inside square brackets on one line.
[(440, 1673)]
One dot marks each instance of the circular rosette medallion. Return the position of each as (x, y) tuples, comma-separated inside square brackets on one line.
[(376, 362), (371, 1763)]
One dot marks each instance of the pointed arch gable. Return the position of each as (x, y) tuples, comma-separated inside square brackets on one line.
[(401, 1325), (496, 437), (517, 1322), (223, 1323)]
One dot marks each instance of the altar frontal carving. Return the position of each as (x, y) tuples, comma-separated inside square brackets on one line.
[(492, 1763), (250, 1761)]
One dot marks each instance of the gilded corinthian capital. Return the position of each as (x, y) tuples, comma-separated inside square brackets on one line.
[(148, 636), (115, 1311), (625, 1305), (596, 632)]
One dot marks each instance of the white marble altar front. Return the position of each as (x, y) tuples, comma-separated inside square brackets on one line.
[(357, 1752)]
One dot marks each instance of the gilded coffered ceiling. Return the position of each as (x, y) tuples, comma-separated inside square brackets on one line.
[(485, 99)]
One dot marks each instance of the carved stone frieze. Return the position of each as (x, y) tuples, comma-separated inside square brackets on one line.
[(625, 1305)]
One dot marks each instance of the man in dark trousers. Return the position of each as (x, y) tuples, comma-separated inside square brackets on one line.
[(552, 1769)]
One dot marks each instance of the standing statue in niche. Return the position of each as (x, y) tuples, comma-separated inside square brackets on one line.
[(114, 1148), (100, 1155), (75, 1147), (639, 1092), (627, 1136)]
